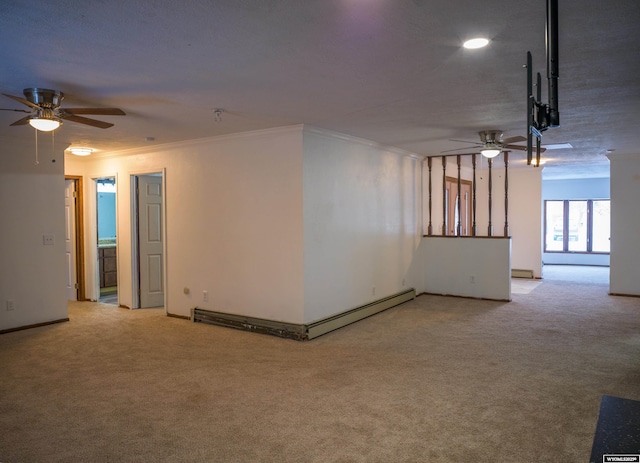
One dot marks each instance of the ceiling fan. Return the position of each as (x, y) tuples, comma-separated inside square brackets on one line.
[(45, 113), (492, 144)]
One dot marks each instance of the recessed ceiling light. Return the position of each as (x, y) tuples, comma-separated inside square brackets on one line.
[(81, 151), (476, 43)]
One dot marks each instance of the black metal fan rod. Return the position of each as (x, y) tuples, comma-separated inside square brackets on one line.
[(552, 61)]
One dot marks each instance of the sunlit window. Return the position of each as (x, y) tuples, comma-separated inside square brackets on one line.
[(577, 226), (601, 226)]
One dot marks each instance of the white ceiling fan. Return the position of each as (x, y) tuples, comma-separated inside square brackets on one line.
[(45, 113), (492, 144)]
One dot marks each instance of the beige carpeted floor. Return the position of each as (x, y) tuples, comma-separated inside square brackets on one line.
[(437, 379)]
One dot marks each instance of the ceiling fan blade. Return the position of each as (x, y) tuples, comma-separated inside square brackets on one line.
[(22, 100), (517, 139), (466, 141), (458, 149), (95, 111), (17, 110), (85, 120), (23, 121), (521, 148)]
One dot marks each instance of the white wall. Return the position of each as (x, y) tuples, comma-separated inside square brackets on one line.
[(237, 226), (625, 224), (578, 188), (362, 222), (525, 219), (469, 267), (233, 219), (32, 205)]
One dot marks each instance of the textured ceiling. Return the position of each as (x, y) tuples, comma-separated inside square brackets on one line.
[(386, 70)]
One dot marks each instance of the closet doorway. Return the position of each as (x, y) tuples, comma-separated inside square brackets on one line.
[(148, 245)]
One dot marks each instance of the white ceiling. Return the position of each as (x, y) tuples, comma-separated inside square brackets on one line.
[(391, 71)]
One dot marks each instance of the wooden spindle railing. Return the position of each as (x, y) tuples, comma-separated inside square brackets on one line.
[(457, 229), (474, 227), (444, 195), (459, 224), (430, 227)]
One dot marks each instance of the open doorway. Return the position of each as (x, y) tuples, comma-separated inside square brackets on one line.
[(106, 240), (148, 242)]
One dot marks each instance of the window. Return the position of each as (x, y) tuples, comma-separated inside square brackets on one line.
[(577, 225)]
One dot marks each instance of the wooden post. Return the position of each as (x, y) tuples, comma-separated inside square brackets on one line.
[(474, 228), (444, 195), (430, 227), (459, 224), (490, 231), (506, 193)]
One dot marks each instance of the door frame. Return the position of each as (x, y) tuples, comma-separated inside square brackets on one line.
[(451, 212), (79, 231), (135, 252), (93, 268)]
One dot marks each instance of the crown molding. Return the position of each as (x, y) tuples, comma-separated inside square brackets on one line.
[(191, 143), (361, 141)]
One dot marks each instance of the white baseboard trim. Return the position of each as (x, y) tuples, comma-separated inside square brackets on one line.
[(300, 332)]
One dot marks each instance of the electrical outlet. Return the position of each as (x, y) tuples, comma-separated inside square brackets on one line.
[(11, 305), (205, 296), (472, 279), (373, 291), (403, 282), (48, 240)]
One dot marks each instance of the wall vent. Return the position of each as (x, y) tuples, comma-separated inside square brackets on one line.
[(300, 332), (519, 273)]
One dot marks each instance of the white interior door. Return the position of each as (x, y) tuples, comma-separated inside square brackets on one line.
[(70, 239), (150, 241)]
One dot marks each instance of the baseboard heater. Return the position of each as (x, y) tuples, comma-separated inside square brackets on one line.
[(519, 273), (300, 332)]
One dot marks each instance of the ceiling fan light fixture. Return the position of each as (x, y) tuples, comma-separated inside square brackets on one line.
[(478, 42), (490, 152), (44, 124), (81, 151)]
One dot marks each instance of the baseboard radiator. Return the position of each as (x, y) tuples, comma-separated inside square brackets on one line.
[(519, 273), (300, 332)]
